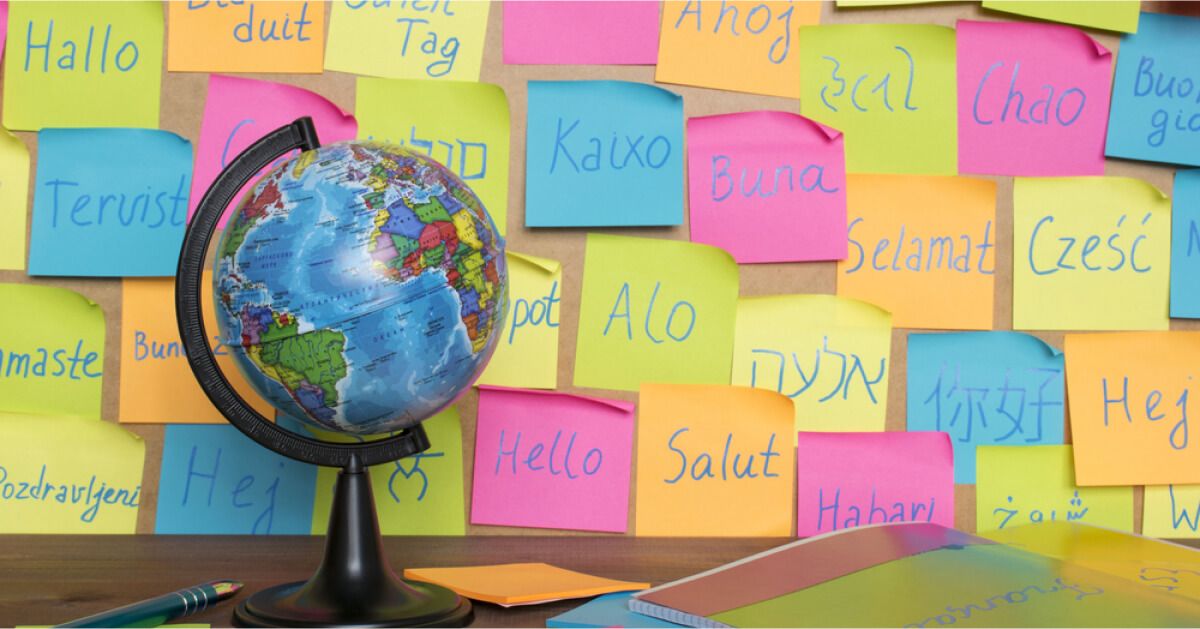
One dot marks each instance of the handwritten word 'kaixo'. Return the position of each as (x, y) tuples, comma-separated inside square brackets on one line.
[(959, 407), (588, 463), (1181, 89), (923, 254), (594, 154), (685, 311), (444, 54), (102, 51), (1076, 511), (757, 21), (872, 95), (1113, 256), (90, 496), (1067, 107), (900, 511), (724, 185), (244, 31), (849, 366), (701, 465), (1116, 403)]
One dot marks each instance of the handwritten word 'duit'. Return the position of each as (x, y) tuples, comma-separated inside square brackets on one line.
[(248, 29)]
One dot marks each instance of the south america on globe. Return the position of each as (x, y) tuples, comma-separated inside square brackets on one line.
[(360, 287)]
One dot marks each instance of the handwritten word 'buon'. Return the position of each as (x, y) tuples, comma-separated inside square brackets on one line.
[(923, 254), (1063, 117), (109, 53), (1183, 89), (74, 366), (1090, 246), (148, 209), (244, 31), (88, 495), (631, 152), (757, 20), (590, 464), (702, 465)]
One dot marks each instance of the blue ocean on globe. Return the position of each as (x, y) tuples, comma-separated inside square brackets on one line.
[(361, 287)]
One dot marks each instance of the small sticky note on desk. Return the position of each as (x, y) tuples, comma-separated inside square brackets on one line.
[(1185, 245), (83, 64), (14, 193), (527, 351), (520, 583), (219, 36), (581, 32), (1110, 15)]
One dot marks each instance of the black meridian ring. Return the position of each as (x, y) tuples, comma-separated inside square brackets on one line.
[(300, 134)]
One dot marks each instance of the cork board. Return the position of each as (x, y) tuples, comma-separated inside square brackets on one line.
[(183, 96)]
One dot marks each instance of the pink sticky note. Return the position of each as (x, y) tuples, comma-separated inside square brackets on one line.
[(767, 186), (848, 479), (580, 32), (3, 24), (240, 111), (1032, 99), (551, 460)]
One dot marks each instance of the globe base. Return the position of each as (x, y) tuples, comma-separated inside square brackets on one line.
[(410, 605)]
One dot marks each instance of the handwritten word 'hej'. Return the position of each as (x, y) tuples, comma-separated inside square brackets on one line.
[(849, 365), (101, 51), (443, 56), (809, 179), (1015, 597), (923, 254), (90, 496), (148, 209), (1089, 255), (900, 511), (757, 21), (950, 396), (830, 98), (51, 363), (701, 465), (1172, 88), (1038, 111), (626, 149), (682, 308), (534, 313), (468, 168), (588, 463), (239, 496), (1116, 399), (244, 30), (1038, 515)]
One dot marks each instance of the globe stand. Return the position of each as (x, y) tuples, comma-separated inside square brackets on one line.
[(354, 585)]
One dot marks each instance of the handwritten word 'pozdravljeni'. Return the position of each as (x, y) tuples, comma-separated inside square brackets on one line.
[(90, 496)]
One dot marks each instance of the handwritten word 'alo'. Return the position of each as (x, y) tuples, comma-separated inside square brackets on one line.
[(849, 365), (678, 308), (830, 98), (90, 496)]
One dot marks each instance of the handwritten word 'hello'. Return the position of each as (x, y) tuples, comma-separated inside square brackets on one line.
[(590, 464)]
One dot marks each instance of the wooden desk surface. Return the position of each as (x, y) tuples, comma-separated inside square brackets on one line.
[(46, 579)]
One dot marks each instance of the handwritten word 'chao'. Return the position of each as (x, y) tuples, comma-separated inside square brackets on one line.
[(1016, 96)]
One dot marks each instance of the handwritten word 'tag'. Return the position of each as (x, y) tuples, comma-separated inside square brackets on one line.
[(848, 367), (757, 20), (1010, 408), (443, 57), (1178, 437), (1037, 515), (830, 95)]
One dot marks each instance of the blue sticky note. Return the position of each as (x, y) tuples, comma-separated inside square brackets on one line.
[(109, 202), (1185, 246), (603, 153), (985, 388), (1155, 114), (216, 480), (610, 610)]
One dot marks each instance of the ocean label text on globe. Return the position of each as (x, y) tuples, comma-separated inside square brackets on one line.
[(361, 287)]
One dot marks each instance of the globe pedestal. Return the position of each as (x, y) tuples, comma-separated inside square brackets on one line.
[(354, 585)]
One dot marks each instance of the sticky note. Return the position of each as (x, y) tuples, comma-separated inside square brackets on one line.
[(1155, 115), (654, 311), (527, 351), (239, 111), (51, 351), (520, 583), (407, 40), (276, 36), (463, 126), (610, 610), (890, 88), (985, 388), (1031, 484), (1129, 395), (923, 248), (844, 480), (714, 461), (828, 354), (1090, 253), (215, 480), (738, 45), (603, 153), (157, 385), (83, 64), (1185, 245), (581, 32), (109, 202), (14, 194), (1032, 99), (417, 495), (1109, 15), (552, 460), (63, 474), (1172, 511), (767, 186)]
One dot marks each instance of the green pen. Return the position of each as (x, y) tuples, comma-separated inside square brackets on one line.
[(153, 612)]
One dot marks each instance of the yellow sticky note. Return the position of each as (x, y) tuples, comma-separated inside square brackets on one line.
[(739, 45), (714, 461), (828, 354), (1129, 395), (83, 64), (1017, 485), (157, 385), (417, 495), (407, 40), (520, 583), (462, 125), (61, 474), (654, 311), (527, 352), (924, 248), (1172, 511), (1090, 253), (890, 88), (1110, 15), (51, 351), (219, 36), (14, 196)]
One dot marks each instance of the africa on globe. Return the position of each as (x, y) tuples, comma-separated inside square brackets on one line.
[(360, 287)]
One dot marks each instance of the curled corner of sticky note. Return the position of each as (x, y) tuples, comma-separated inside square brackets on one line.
[(1035, 340), (545, 264), (1151, 189), (624, 407), (287, 87)]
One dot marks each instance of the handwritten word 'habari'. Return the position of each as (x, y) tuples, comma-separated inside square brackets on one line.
[(900, 512)]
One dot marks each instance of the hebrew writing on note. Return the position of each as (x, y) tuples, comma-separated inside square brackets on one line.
[(14, 192), (527, 351), (580, 32), (1185, 245), (223, 36)]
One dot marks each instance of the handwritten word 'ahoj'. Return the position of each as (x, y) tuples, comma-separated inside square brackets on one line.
[(758, 20)]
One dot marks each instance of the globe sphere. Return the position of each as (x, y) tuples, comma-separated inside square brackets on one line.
[(360, 287)]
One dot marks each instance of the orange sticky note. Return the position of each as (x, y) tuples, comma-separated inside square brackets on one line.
[(922, 247), (744, 46), (1130, 395), (714, 461), (157, 386), (275, 36), (520, 583)]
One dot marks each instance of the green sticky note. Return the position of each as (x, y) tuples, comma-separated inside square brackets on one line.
[(655, 311), (51, 351), (14, 194), (890, 88), (462, 125), (1110, 15), (417, 495), (83, 64)]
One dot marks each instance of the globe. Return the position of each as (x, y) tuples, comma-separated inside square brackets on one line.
[(360, 287)]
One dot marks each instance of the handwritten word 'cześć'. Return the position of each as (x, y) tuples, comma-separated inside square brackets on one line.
[(146, 209), (1090, 255), (701, 465), (1039, 110), (757, 20), (848, 365), (1177, 89), (244, 31), (950, 396), (535, 313), (900, 513), (589, 464), (90, 496), (443, 55), (102, 51), (51, 363), (922, 254), (1116, 403)]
